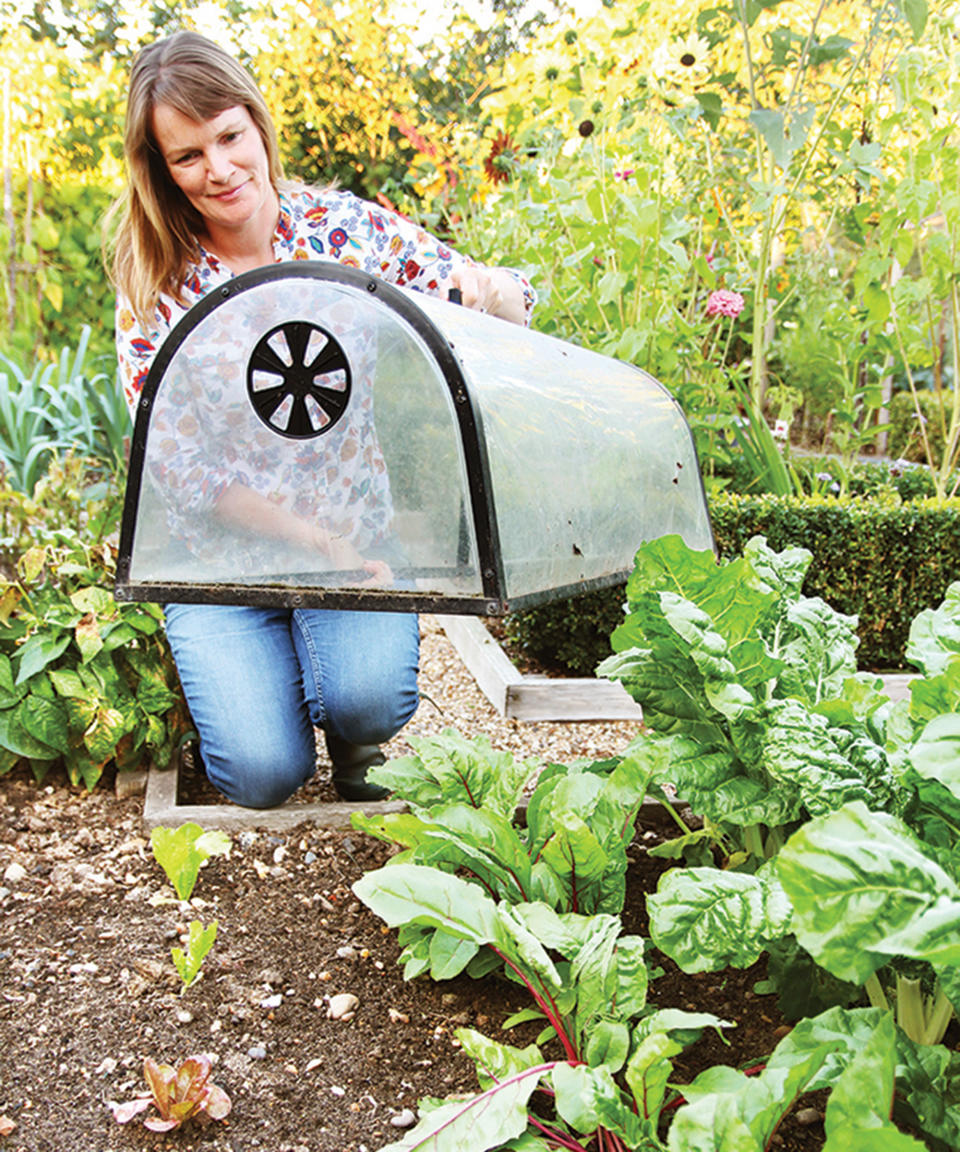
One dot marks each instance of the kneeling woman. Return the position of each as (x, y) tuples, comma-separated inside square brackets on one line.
[(206, 200)]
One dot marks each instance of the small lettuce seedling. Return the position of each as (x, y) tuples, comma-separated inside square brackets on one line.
[(199, 942), (182, 851), (179, 1094)]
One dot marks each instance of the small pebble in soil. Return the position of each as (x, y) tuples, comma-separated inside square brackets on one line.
[(257, 1052), (342, 1006), (809, 1116)]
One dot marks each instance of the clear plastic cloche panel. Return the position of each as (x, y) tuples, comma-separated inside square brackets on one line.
[(588, 456), (311, 435)]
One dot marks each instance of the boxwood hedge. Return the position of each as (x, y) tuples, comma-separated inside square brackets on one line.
[(883, 559)]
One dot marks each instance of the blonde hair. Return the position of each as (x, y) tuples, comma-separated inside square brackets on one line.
[(153, 228)]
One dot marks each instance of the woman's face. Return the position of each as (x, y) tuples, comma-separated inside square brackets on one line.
[(220, 165)]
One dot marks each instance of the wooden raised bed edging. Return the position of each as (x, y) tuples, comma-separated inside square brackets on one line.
[(524, 697), (160, 808)]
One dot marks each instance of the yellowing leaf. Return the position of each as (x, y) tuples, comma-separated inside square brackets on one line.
[(88, 637), (31, 563)]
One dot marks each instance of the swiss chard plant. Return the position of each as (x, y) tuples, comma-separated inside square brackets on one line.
[(604, 1058), (570, 852), (751, 690)]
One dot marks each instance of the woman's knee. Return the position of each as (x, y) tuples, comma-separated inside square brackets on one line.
[(261, 779), (375, 715)]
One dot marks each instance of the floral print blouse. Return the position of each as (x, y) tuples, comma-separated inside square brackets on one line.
[(353, 498)]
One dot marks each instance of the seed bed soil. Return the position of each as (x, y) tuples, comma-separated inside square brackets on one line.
[(88, 989)]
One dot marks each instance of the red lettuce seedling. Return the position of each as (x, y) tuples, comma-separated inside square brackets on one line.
[(179, 1094)]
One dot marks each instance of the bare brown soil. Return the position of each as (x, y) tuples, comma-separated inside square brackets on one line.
[(87, 988)]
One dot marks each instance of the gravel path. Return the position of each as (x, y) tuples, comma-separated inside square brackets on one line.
[(451, 699)]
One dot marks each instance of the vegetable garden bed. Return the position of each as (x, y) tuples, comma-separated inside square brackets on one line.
[(88, 989)]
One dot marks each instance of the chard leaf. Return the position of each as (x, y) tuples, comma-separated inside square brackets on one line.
[(667, 686), (514, 938), (580, 1089), (414, 941), (885, 1139), (648, 1072), (494, 1061), (577, 859), (842, 1031), (483, 1122), (863, 1094), (483, 842), (928, 1092), (451, 768), (561, 794), (746, 1117), (593, 971), (734, 595), (780, 572), (449, 955), (632, 977), (805, 988), (608, 1044), (708, 650), (863, 890), (931, 696), (403, 828), (820, 652), (801, 751), (934, 638), (404, 893), (936, 754), (705, 919)]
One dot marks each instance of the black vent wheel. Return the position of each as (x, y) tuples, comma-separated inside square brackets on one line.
[(298, 380)]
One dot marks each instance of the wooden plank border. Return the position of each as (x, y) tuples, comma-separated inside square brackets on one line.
[(160, 808), (533, 698)]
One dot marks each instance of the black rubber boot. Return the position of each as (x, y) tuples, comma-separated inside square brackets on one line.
[(350, 764)]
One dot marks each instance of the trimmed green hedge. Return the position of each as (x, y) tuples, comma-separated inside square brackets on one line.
[(882, 560)]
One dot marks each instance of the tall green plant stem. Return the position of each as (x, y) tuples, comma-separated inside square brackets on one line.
[(776, 208)]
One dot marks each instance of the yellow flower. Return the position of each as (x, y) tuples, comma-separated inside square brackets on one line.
[(683, 63)]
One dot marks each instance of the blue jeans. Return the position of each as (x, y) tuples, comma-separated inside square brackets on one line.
[(258, 682)]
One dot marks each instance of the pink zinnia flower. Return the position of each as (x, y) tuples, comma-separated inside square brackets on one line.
[(722, 302)]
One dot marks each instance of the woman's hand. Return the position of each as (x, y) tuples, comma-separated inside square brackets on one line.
[(491, 290), (345, 557)]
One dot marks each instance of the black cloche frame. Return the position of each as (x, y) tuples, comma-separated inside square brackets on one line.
[(492, 602)]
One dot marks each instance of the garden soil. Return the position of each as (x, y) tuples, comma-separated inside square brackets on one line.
[(88, 988)]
